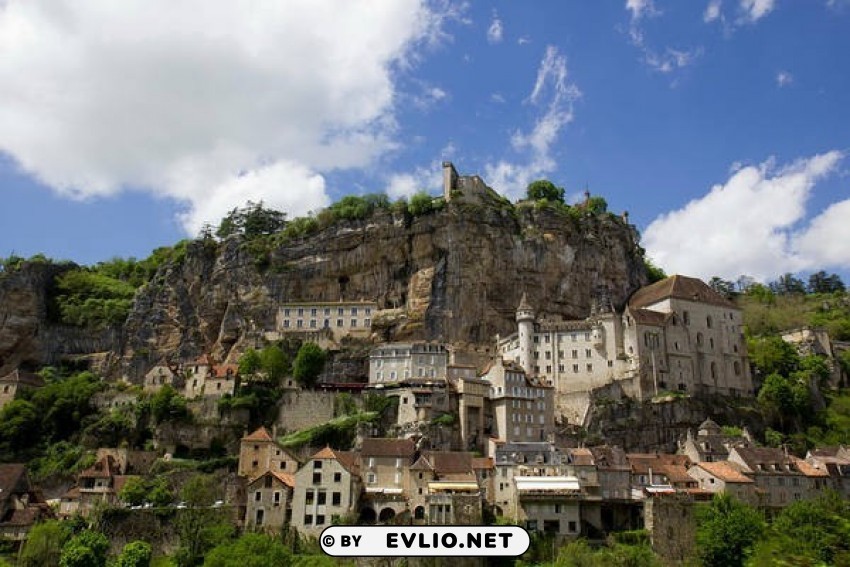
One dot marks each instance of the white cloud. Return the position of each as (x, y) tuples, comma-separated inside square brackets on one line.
[(556, 97), (666, 60), (209, 103), (495, 31), (750, 225), (712, 11), (498, 98), (754, 10), (523, 40), (641, 8), (426, 179), (784, 78)]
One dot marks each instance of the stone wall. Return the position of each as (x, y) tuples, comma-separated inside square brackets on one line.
[(299, 409), (671, 523)]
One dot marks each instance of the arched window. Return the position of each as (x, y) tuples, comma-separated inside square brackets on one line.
[(713, 371), (699, 339), (708, 321)]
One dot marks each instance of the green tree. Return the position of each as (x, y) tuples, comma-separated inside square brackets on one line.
[(787, 284), (274, 363), (597, 205), (808, 532), (726, 531), (421, 204), (86, 549), (820, 282), (653, 272), (135, 554), (776, 398), (249, 362), (772, 355), (200, 525), (251, 221), (309, 363), (20, 428), (545, 189), (725, 288), (159, 493), (43, 545), (134, 491), (250, 550), (168, 405)]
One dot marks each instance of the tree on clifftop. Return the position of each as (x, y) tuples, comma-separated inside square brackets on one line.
[(545, 189), (252, 220)]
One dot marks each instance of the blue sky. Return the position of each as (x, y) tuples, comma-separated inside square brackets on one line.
[(721, 126)]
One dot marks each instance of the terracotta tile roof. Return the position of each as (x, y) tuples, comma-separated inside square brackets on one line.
[(450, 462), (387, 447), (221, 370), (648, 317), (104, 467), (285, 478), (422, 464), (678, 287), (808, 469), (725, 471), (261, 434), (763, 459), (326, 453), (348, 460), (581, 456), (23, 517), (72, 494), (479, 463), (641, 462)]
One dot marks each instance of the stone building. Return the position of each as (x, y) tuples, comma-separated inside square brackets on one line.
[(21, 504), (396, 362), (269, 502), (836, 462), (710, 444), (522, 407), (259, 452), (383, 466), (161, 374), (338, 319), (442, 486), (723, 476), (15, 382), (676, 334), (780, 478), (327, 488)]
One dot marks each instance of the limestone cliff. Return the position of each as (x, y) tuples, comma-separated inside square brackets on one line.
[(456, 274), (453, 275)]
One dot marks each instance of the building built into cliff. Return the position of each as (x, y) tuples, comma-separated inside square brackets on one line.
[(333, 320), (677, 334)]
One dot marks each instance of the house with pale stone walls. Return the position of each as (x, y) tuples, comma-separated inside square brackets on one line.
[(677, 334), (269, 501), (327, 488), (259, 452)]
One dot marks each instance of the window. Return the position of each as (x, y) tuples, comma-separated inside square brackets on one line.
[(308, 519), (317, 464), (336, 498), (317, 478), (587, 353), (560, 368), (258, 496), (686, 318), (313, 312), (575, 354), (286, 312), (260, 514), (311, 496), (610, 364), (590, 368), (300, 311), (575, 368), (354, 322), (322, 498), (327, 324), (300, 324), (276, 498), (327, 312), (708, 321), (337, 477), (367, 322), (340, 311), (339, 322), (571, 526), (286, 324), (370, 478), (368, 311)]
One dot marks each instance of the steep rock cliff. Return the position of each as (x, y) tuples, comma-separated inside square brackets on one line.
[(453, 275)]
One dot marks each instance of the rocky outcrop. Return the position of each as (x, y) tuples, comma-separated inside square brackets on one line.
[(453, 275)]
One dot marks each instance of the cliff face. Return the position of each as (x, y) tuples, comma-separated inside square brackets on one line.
[(28, 339), (453, 275)]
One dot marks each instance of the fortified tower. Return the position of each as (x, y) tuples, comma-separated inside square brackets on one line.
[(525, 324)]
